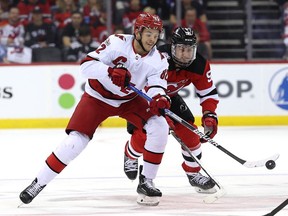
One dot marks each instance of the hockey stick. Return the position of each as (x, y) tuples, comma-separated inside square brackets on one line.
[(248, 164), (213, 197), (219, 193), (277, 209)]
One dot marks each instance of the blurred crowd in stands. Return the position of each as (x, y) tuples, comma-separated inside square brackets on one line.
[(66, 30)]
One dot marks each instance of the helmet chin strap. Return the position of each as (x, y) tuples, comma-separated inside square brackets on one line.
[(140, 43)]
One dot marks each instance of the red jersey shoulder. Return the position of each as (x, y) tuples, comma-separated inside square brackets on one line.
[(116, 39), (120, 36), (199, 66)]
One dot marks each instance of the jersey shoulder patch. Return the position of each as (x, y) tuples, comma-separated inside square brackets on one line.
[(116, 39)]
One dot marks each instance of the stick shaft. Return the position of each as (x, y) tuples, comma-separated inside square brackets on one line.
[(194, 157), (278, 208), (190, 127)]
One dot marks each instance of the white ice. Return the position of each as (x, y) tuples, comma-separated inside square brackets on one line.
[(95, 184)]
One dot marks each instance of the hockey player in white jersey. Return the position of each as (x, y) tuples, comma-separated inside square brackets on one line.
[(119, 60), (186, 67)]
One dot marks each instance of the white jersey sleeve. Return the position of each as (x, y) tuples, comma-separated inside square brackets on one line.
[(101, 60), (12, 31), (145, 70), (157, 78)]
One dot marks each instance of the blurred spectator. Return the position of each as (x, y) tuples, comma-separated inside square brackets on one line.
[(79, 49), (191, 21), (187, 4), (11, 32), (26, 7), (4, 9), (100, 31), (51, 3), (119, 30), (81, 3), (39, 34), (162, 37), (135, 8), (119, 7), (13, 3), (149, 10), (166, 9), (198, 5), (92, 11), (163, 7), (62, 11), (71, 30)]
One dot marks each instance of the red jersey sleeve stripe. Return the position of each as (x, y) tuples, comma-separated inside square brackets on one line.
[(88, 58)]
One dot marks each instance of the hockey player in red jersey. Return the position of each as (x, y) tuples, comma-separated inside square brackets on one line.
[(186, 67), (119, 60)]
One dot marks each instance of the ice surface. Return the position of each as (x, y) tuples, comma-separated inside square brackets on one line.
[(94, 183)]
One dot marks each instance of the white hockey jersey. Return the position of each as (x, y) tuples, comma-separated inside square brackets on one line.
[(149, 70), (15, 32)]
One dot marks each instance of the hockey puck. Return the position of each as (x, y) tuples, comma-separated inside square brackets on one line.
[(270, 164)]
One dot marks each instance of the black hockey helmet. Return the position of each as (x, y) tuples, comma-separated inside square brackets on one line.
[(184, 46)]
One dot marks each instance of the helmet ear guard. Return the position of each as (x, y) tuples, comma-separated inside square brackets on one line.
[(184, 38)]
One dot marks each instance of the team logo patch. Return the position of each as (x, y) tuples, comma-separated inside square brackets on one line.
[(107, 42), (278, 88)]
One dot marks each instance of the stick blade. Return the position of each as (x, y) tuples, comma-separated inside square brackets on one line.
[(214, 197), (260, 163)]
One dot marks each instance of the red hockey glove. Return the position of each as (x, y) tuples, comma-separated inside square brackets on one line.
[(159, 103), (210, 124), (119, 75)]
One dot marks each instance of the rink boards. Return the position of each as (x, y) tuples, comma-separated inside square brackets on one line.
[(44, 96)]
